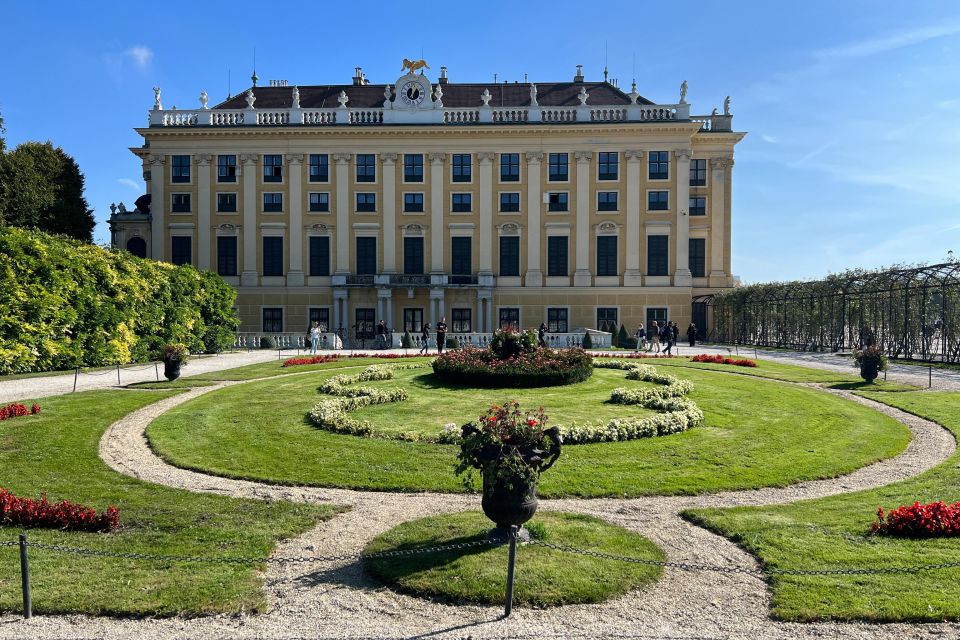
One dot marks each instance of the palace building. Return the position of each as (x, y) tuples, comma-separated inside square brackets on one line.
[(570, 203)]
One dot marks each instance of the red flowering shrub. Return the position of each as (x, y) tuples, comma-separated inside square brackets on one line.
[(385, 356), (17, 409), (539, 368), (635, 356), (703, 357), (26, 512), (933, 520), (292, 362)]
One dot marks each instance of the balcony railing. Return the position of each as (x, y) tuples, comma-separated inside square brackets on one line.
[(408, 280), (360, 281)]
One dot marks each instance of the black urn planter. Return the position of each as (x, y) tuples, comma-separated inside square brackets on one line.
[(509, 499), (171, 368), (869, 370)]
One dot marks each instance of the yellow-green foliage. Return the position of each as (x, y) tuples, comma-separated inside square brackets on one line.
[(64, 304)]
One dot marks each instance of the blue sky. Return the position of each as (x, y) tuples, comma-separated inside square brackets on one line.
[(852, 108)]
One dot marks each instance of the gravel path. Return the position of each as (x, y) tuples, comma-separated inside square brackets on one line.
[(336, 600)]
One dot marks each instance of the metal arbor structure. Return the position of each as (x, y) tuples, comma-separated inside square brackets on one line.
[(911, 313)]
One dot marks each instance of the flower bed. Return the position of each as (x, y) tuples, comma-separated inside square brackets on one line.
[(933, 520), (539, 368), (294, 362), (636, 356), (18, 409), (741, 362), (385, 356), (26, 512)]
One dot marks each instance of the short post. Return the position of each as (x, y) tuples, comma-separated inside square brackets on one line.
[(884, 375), (76, 374), (25, 577), (511, 566), (929, 376), (278, 355), (118, 375), (737, 347), (156, 370), (755, 353)]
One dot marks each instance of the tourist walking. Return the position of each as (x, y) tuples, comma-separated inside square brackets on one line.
[(667, 338), (425, 338), (641, 336), (655, 337), (314, 337), (692, 334), (542, 335), (675, 330), (381, 335), (441, 335)]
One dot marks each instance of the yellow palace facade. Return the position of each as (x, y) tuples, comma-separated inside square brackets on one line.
[(571, 203)]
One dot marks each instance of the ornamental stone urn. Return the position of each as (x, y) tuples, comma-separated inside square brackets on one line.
[(171, 368)]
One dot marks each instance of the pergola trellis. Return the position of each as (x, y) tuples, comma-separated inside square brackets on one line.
[(907, 312)]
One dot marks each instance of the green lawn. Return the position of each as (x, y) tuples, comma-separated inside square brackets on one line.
[(834, 532), (756, 433), (56, 452), (544, 577)]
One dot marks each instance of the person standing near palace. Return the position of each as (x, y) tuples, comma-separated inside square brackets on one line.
[(692, 334), (382, 335), (441, 334), (675, 329), (655, 337), (542, 335), (314, 338), (667, 337), (641, 336), (425, 338)]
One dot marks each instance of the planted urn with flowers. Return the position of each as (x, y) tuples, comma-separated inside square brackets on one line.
[(871, 362), (511, 448), (174, 357)]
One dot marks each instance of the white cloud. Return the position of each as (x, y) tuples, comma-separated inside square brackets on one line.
[(130, 183), (887, 43), (140, 54), (768, 138)]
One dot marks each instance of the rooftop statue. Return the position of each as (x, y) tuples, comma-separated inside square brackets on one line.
[(413, 65), (250, 98), (683, 92), (156, 99), (485, 97), (203, 99), (296, 97), (726, 106)]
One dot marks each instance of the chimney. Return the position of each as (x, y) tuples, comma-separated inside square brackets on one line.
[(443, 75), (358, 78), (579, 76)]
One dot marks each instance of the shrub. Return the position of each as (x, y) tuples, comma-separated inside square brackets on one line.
[(17, 410), (267, 342), (587, 342), (452, 343), (406, 341), (623, 337), (510, 342), (176, 352), (539, 368), (742, 362), (936, 519), (64, 515)]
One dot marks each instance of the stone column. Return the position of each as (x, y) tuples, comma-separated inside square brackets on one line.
[(486, 212), (158, 208), (631, 276), (582, 276), (681, 276), (294, 169), (436, 211), (388, 162), (534, 274), (343, 212), (718, 182), (390, 324), (202, 163), (249, 275), (340, 309)]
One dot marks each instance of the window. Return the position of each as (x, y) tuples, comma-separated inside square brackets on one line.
[(559, 167), (609, 165), (509, 202), (366, 202), (462, 202), (364, 324), (657, 254), (227, 168), (272, 319), (658, 314), (413, 320), (556, 320), (462, 167), (319, 167), (413, 167), (607, 200), (558, 201), (412, 202), (137, 246), (510, 255), (509, 317), (320, 315), (181, 169), (181, 203), (320, 201), (366, 167), (227, 255), (319, 255), (658, 200), (607, 318), (461, 255), (273, 168), (413, 256), (659, 165), (700, 319), (698, 173), (698, 206), (273, 255), (366, 255), (509, 167), (226, 203), (461, 320), (181, 250), (557, 255), (272, 202), (606, 255), (698, 257)]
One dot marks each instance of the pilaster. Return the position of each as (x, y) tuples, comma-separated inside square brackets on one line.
[(632, 275), (158, 207), (486, 212), (582, 276), (436, 211), (682, 276), (389, 173), (202, 163), (342, 161), (295, 177), (534, 274), (249, 276), (718, 181)]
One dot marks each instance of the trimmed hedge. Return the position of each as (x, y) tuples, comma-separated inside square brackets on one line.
[(541, 368), (65, 304)]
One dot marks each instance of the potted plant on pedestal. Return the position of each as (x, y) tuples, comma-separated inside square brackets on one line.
[(871, 362), (174, 357), (511, 448)]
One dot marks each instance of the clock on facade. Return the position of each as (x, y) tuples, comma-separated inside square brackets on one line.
[(412, 93)]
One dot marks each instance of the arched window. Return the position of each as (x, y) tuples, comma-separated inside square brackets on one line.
[(137, 246)]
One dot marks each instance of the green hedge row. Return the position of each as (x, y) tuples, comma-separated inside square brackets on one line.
[(64, 304)]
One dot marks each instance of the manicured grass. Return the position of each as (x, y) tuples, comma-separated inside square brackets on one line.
[(433, 403), (834, 532), (545, 577), (56, 452), (756, 433), (777, 371)]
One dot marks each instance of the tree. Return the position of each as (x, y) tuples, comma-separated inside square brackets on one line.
[(623, 338), (41, 187)]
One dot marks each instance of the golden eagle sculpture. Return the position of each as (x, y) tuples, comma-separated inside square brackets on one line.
[(413, 65)]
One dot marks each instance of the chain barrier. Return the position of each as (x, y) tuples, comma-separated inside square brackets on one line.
[(100, 373)]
